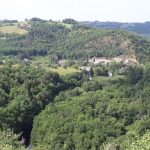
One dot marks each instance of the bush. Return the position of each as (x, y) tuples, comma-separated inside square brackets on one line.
[(9, 140), (92, 86)]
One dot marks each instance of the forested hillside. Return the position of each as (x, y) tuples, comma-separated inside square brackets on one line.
[(25, 91), (97, 106), (85, 119), (140, 28), (80, 114), (79, 42)]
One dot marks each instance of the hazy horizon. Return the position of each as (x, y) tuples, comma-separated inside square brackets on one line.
[(81, 10)]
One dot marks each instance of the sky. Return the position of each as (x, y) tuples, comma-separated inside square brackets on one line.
[(81, 10)]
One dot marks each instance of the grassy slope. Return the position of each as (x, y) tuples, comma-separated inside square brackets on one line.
[(108, 80), (44, 61), (12, 29), (64, 71)]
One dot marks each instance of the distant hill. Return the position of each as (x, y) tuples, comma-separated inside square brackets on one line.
[(140, 28), (76, 42), (84, 42)]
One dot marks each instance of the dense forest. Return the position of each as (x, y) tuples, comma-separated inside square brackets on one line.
[(80, 114), (105, 107), (86, 117)]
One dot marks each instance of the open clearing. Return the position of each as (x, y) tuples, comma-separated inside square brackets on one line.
[(12, 29), (64, 71), (109, 80)]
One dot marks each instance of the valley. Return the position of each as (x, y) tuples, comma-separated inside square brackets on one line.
[(67, 86)]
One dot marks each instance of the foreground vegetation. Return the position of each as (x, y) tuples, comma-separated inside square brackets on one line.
[(80, 114)]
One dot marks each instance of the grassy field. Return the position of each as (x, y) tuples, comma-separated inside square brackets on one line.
[(44, 63), (63, 71), (108, 80), (42, 60), (12, 29)]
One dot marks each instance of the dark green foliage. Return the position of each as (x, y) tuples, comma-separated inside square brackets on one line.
[(37, 20), (24, 92), (69, 21), (74, 80), (100, 71), (134, 74), (76, 124), (86, 120), (92, 86), (69, 94)]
